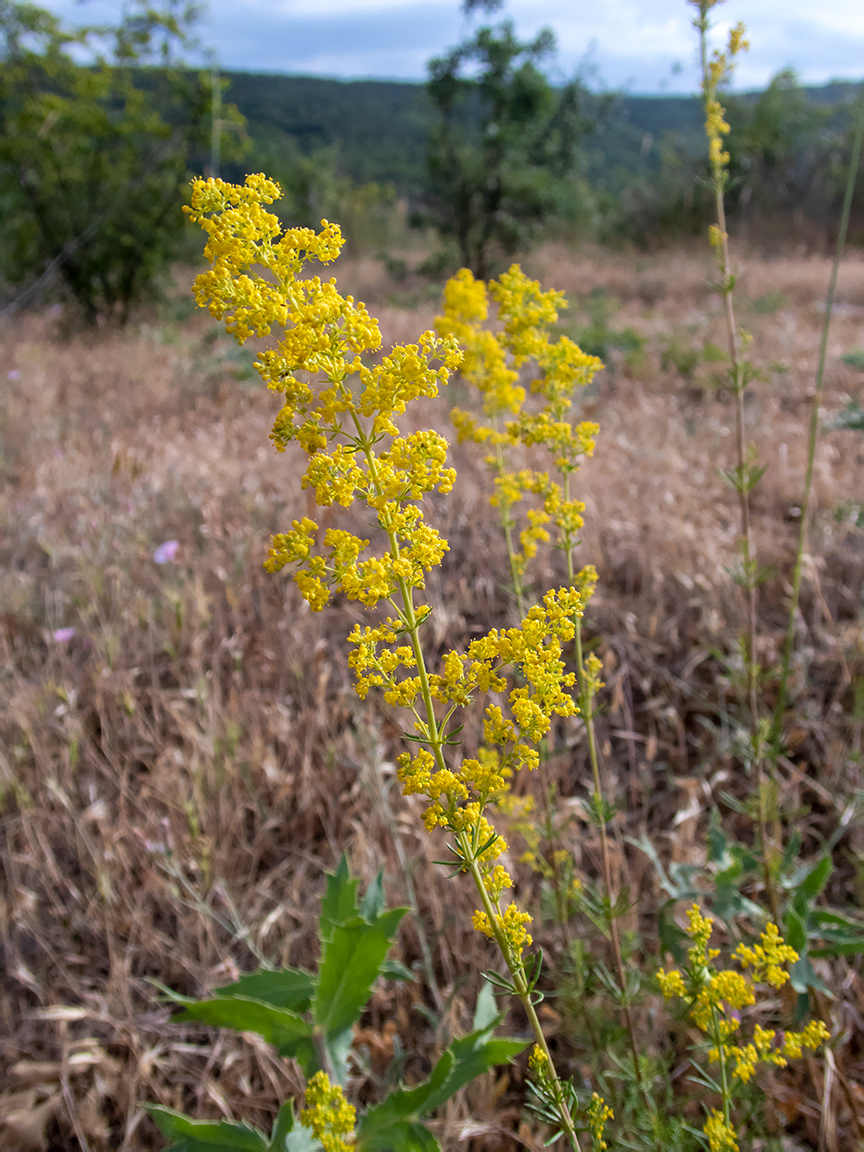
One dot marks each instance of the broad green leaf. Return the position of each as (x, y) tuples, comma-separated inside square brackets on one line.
[(190, 1135), (403, 1105), (829, 916), (473, 1055), (340, 900), (486, 1012), (282, 1125), (289, 988), (802, 977), (350, 961), (843, 947), (372, 904), (808, 882), (401, 1136), (278, 1026), (337, 1048), (301, 1140), (464, 1060), (795, 932), (396, 970)]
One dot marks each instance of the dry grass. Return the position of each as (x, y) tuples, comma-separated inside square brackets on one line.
[(177, 776)]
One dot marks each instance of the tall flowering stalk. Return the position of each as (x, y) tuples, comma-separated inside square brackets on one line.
[(340, 408), (493, 363), (747, 472)]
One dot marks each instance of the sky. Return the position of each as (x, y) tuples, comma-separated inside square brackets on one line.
[(640, 46)]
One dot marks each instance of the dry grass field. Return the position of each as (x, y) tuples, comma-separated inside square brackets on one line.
[(182, 755)]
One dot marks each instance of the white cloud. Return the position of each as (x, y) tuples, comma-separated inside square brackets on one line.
[(642, 45)]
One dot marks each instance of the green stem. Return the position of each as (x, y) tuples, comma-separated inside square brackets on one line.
[(507, 526), (739, 385), (586, 704), (798, 571), (724, 1077), (516, 969), (546, 785), (434, 740)]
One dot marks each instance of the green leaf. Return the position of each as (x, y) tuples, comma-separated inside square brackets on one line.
[(396, 970), (795, 932), (340, 899), (289, 988), (486, 1012), (476, 1054), (802, 977), (190, 1135), (401, 1136), (809, 881), (464, 1060), (278, 1026), (372, 904), (337, 1048), (282, 1125), (403, 1105), (351, 958)]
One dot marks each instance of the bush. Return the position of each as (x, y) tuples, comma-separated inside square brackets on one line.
[(93, 157)]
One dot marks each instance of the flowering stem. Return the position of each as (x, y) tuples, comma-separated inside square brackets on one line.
[(744, 476), (434, 739), (519, 593), (586, 705), (523, 992), (507, 525), (721, 1056), (783, 689)]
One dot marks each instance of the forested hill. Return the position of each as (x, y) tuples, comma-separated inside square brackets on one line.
[(379, 127)]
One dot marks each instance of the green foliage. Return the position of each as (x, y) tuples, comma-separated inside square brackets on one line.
[(316, 187), (599, 337), (725, 884), (852, 417), (94, 156), (502, 154), (310, 1017)]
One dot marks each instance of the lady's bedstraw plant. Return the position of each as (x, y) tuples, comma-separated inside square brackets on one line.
[(716, 69), (340, 408), (493, 364), (721, 1003)]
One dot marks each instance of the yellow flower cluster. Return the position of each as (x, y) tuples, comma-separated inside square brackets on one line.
[(716, 998), (721, 1137), (494, 363), (341, 409), (717, 70), (323, 337), (597, 1113), (328, 1114)]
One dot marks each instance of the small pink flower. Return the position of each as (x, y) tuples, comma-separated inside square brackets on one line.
[(63, 635), (15, 374), (166, 552)]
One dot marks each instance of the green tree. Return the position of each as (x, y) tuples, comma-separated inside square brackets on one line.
[(780, 148), (97, 128), (503, 149)]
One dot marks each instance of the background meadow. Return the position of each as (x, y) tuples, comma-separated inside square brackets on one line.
[(183, 756)]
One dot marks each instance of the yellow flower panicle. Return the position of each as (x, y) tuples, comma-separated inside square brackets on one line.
[(718, 69), (492, 365), (340, 408), (598, 1113), (721, 1137), (715, 999), (328, 1115), (328, 390)]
